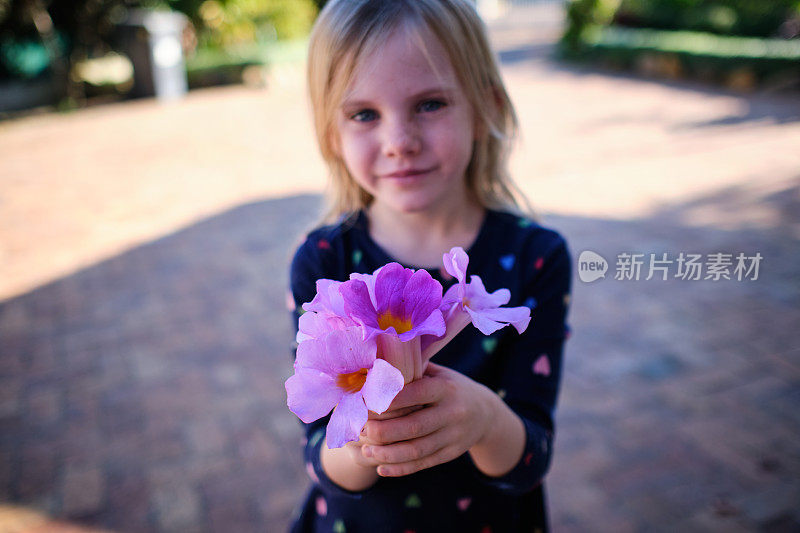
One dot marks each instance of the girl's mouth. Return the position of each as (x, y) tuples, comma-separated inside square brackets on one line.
[(410, 173)]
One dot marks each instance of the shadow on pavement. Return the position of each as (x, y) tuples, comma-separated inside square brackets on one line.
[(146, 393)]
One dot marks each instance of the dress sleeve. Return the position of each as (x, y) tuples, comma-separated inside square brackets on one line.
[(530, 372), (309, 265)]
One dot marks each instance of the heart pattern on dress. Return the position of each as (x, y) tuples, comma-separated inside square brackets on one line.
[(542, 366)]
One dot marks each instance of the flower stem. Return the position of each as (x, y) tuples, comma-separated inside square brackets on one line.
[(405, 356), (457, 321)]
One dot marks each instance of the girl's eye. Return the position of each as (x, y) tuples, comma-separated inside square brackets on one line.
[(431, 105), (365, 115)]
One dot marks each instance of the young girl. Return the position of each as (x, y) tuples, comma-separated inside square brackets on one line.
[(414, 122)]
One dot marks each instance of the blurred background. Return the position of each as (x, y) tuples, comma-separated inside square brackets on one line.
[(157, 169)]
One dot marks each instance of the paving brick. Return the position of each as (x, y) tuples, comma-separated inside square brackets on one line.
[(707, 520), (770, 503), (206, 437), (128, 504), (43, 405), (37, 472), (10, 401), (233, 515), (82, 490), (149, 367), (177, 508), (143, 354)]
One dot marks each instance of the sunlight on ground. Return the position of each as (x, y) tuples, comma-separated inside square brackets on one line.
[(18, 519)]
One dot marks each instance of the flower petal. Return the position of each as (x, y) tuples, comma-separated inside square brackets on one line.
[(455, 263), (314, 325), (389, 285), (335, 300), (490, 320), (311, 353), (348, 352), (433, 325), (519, 317), (347, 420), (383, 383), (422, 295), (486, 325), (358, 304), (454, 295), (369, 280), (338, 352), (311, 394), (480, 299), (327, 300)]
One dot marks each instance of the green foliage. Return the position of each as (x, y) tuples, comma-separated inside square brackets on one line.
[(225, 23), (695, 43), (694, 54), (756, 18), (582, 14), (709, 39), (90, 24)]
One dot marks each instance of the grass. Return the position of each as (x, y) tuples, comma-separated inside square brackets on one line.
[(693, 54), (693, 43)]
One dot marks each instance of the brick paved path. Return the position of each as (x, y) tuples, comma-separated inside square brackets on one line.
[(143, 336)]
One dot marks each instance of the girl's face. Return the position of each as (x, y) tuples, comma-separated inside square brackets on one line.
[(405, 129)]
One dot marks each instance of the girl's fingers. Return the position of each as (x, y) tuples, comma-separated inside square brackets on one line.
[(394, 413), (420, 392), (403, 452), (417, 424), (443, 455), (356, 453)]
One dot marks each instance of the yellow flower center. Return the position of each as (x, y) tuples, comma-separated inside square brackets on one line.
[(352, 382), (387, 320)]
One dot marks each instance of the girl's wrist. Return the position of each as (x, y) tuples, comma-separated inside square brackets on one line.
[(492, 416), (503, 441)]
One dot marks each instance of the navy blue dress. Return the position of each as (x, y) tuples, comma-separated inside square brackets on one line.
[(534, 263)]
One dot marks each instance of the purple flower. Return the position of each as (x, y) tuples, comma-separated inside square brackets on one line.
[(324, 313), (464, 303), (328, 300), (483, 307), (315, 325), (340, 371), (369, 279), (485, 310), (404, 303)]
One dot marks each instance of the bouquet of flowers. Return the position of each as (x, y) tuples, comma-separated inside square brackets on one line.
[(360, 341)]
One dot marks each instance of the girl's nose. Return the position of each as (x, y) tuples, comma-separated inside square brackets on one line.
[(401, 139)]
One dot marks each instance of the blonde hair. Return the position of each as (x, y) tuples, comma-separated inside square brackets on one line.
[(347, 30)]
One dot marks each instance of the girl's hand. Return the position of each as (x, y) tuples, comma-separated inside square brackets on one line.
[(453, 414), (347, 466), (354, 448)]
